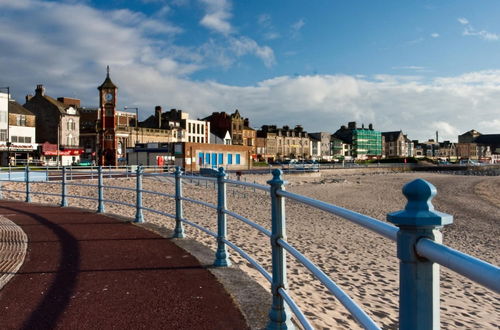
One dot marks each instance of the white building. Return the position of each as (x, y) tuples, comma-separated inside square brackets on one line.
[(4, 101), (197, 131)]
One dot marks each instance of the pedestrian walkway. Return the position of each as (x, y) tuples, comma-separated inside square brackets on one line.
[(84, 270)]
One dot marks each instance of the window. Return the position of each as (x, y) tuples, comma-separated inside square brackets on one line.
[(27, 139), (3, 135), (13, 138), (21, 120), (221, 158), (238, 160), (207, 158), (229, 159), (201, 157), (71, 125)]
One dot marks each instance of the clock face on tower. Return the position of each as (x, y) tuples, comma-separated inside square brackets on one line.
[(109, 97)]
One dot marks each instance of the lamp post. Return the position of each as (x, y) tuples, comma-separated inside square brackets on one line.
[(136, 122)]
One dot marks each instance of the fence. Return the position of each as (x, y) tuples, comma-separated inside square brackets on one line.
[(416, 233)]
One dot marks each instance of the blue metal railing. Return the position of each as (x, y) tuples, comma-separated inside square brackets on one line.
[(418, 240)]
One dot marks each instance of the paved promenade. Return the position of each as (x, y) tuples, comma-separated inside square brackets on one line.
[(88, 271)]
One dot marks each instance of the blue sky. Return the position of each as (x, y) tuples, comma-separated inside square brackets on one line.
[(419, 66)]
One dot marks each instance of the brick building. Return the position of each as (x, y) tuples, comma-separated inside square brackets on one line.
[(192, 156), (57, 123)]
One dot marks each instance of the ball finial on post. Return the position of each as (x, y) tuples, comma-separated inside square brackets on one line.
[(419, 210), (418, 277)]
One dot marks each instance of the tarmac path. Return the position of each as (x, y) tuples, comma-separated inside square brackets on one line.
[(88, 271)]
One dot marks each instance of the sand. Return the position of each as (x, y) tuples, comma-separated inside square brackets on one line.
[(361, 262)]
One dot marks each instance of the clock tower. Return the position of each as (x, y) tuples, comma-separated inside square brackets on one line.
[(107, 123)]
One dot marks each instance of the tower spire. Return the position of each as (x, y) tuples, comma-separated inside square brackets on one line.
[(107, 71)]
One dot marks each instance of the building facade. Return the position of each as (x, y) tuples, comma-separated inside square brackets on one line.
[(325, 146), (221, 122), (366, 142), (396, 145), (192, 156), (56, 123), (177, 126), (341, 150), (285, 143), (22, 135)]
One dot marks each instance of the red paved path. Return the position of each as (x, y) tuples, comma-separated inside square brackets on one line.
[(88, 271)]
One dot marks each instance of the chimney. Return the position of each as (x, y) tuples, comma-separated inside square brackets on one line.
[(351, 125), (370, 127), (28, 97), (246, 122), (40, 90), (437, 135), (158, 115)]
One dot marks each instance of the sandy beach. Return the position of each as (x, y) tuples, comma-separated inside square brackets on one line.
[(361, 262)]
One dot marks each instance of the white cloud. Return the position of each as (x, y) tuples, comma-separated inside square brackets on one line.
[(493, 125), (445, 129), (296, 27), (435, 35), (266, 27), (243, 45), (218, 13), (469, 30), (409, 67), (485, 35)]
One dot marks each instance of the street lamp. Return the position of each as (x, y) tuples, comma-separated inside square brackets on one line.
[(136, 122)]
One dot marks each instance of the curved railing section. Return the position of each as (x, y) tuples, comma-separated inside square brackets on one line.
[(416, 233)]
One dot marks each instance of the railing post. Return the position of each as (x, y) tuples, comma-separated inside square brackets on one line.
[(64, 201), (418, 277), (138, 205), (179, 229), (100, 191), (279, 315), (27, 180), (221, 256)]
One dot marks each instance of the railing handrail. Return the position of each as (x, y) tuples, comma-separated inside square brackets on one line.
[(473, 268), (468, 266), (380, 227)]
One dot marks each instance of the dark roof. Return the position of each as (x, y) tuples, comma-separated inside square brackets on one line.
[(16, 108), (344, 135), (391, 136), (488, 139), (107, 83), (61, 106)]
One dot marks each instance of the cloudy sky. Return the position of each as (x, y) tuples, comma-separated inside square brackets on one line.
[(418, 66)]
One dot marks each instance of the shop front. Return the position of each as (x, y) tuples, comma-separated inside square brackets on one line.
[(52, 156)]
